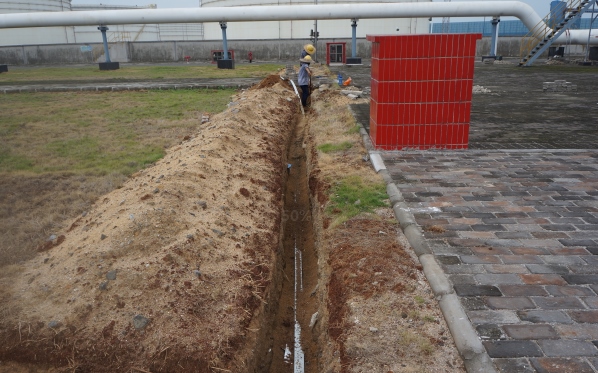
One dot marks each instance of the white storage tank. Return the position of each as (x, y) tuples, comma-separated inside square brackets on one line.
[(328, 29), (44, 35)]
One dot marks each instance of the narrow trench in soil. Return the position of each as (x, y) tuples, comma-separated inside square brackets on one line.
[(294, 347)]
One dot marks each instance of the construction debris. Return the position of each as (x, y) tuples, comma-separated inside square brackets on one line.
[(559, 86)]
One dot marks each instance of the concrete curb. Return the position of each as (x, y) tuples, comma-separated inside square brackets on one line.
[(468, 343)]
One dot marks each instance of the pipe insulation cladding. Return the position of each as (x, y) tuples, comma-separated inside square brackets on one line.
[(289, 13)]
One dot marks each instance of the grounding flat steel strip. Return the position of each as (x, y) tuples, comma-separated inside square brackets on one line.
[(299, 358)]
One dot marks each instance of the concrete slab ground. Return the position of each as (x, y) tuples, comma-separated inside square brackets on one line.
[(513, 221)]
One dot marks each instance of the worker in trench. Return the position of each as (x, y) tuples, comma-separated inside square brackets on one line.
[(304, 79)]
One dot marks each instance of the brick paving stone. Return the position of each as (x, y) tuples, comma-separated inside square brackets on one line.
[(581, 279), (464, 268), (493, 317), (498, 349), (590, 317), (481, 259), (520, 365), (489, 250), (590, 259), (490, 332), (543, 279), (497, 279), (591, 302), (477, 235), (577, 242), (568, 260), (536, 331), (558, 303), (473, 304), (577, 331), (506, 268), (477, 290), (544, 316), (513, 235), (509, 303), (585, 269), (547, 244), (558, 227), (576, 291), (567, 347), (549, 235), (568, 251), (561, 365), (530, 251), (488, 227), (462, 279), (522, 290), (448, 259), (544, 269), (521, 259)]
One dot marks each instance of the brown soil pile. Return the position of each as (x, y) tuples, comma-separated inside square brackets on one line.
[(171, 271)]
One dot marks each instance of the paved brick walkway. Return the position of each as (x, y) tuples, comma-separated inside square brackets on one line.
[(517, 233)]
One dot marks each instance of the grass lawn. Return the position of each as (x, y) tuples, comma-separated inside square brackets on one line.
[(134, 73)]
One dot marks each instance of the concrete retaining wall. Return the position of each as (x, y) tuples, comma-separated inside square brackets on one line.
[(175, 51)]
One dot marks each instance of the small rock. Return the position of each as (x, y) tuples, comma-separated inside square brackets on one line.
[(289, 99), (373, 330), (197, 273), (156, 190), (54, 324), (111, 275), (131, 217), (52, 237), (104, 286), (203, 204), (189, 236), (140, 322), (357, 203), (103, 237), (314, 320), (219, 233)]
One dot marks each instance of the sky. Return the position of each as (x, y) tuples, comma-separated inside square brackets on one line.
[(542, 7)]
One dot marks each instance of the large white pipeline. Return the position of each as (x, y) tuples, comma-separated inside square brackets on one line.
[(290, 12)]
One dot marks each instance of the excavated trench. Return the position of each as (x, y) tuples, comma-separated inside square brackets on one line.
[(293, 338)]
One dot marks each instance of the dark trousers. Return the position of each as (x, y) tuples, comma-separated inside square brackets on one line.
[(304, 94)]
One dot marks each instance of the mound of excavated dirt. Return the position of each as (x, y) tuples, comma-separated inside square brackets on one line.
[(169, 272)]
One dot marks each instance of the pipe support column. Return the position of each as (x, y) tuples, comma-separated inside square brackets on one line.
[(494, 41), (354, 38), (224, 41), (103, 29)]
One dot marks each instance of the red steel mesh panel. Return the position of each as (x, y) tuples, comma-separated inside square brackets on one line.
[(421, 90)]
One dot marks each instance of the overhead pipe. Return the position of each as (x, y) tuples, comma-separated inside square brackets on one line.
[(517, 9)]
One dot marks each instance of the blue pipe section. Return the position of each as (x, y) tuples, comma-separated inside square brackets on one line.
[(224, 42), (494, 36), (354, 38), (103, 29)]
